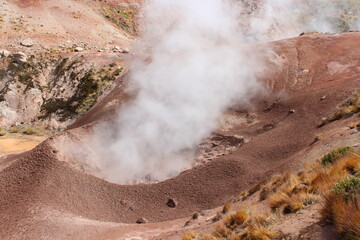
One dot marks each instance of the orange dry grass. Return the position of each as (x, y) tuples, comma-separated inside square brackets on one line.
[(324, 178), (221, 231), (255, 232), (235, 220), (226, 208), (344, 214), (292, 192), (189, 236)]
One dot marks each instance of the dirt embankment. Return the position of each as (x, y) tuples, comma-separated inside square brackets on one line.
[(280, 137)]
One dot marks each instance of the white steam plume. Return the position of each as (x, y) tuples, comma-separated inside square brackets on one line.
[(198, 67), (278, 19)]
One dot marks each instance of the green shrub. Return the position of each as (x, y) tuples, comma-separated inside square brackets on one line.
[(2, 132), (14, 130), (335, 155), (349, 187), (29, 131)]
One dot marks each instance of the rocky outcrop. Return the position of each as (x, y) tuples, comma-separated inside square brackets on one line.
[(50, 91)]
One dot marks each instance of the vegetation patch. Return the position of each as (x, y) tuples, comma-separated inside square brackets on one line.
[(337, 183), (29, 130), (2, 132), (349, 187), (123, 18), (335, 155), (90, 86), (343, 17), (347, 109)]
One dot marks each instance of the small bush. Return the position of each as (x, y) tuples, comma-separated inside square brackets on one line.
[(235, 220), (226, 208), (335, 155), (348, 188), (14, 130), (189, 236), (221, 231), (255, 232), (29, 131), (195, 215), (217, 217), (345, 214), (2, 132)]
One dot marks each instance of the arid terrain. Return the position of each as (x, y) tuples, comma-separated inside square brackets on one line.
[(64, 69)]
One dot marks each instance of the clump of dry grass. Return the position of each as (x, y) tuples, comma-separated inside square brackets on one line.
[(221, 231), (217, 217), (342, 207), (256, 232), (337, 183), (189, 236), (2, 132), (14, 129), (29, 130), (257, 187), (235, 220), (349, 108), (334, 155), (226, 208)]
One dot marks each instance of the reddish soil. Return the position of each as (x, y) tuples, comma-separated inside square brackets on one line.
[(37, 190)]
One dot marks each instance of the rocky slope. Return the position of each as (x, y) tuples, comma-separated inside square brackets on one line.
[(53, 71), (87, 207)]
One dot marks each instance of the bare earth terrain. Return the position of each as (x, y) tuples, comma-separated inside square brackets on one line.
[(44, 196)]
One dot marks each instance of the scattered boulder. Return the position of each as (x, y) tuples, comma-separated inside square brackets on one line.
[(54, 125), (4, 53), (78, 49), (142, 220), (27, 43), (20, 57), (291, 111), (172, 203), (323, 98), (125, 50)]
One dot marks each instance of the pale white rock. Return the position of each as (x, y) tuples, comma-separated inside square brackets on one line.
[(125, 50), (27, 42), (4, 53), (20, 57), (54, 125), (7, 115), (78, 49)]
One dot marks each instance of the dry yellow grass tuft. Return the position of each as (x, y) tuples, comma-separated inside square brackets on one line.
[(349, 108), (338, 184), (255, 232), (189, 236), (226, 208)]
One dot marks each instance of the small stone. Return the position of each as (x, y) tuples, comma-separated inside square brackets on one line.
[(54, 125), (291, 111), (305, 71), (142, 221), (172, 203), (356, 145), (4, 53), (78, 49), (27, 43), (125, 50), (20, 57), (323, 98)]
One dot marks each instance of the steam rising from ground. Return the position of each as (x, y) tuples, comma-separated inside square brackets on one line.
[(277, 19), (197, 68)]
